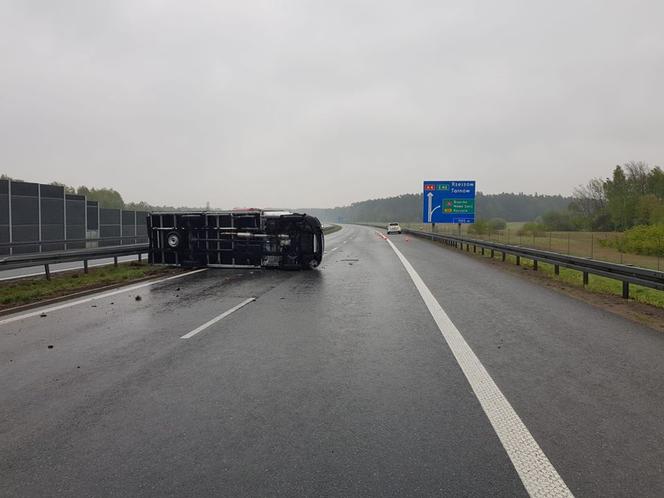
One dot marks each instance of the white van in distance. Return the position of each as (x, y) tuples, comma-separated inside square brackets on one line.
[(393, 228)]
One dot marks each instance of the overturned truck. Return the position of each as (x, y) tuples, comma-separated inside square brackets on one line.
[(245, 239)]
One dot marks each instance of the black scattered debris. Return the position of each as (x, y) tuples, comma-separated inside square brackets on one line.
[(177, 295), (43, 315), (177, 289), (78, 366), (112, 302), (94, 306), (50, 346), (138, 298)]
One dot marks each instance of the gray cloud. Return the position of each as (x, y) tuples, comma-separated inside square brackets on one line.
[(322, 103)]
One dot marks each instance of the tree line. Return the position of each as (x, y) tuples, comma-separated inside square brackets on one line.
[(632, 196), (109, 197), (408, 208)]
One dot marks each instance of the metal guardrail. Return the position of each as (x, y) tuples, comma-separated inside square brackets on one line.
[(625, 273), (46, 259)]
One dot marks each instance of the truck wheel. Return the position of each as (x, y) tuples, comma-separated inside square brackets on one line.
[(311, 265)]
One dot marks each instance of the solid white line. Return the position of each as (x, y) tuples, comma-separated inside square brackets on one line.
[(538, 475), (217, 318), (95, 298)]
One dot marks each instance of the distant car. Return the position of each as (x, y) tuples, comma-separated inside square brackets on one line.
[(393, 227)]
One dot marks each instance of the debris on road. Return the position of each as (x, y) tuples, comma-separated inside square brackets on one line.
[(138, 298)]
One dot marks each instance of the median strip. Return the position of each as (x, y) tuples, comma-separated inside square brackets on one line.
[(69, 304), (217, 318)]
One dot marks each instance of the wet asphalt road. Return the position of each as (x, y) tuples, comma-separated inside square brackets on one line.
[(335, 382)]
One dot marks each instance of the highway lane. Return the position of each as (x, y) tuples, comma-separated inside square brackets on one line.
[(333, 382), (587, 383)]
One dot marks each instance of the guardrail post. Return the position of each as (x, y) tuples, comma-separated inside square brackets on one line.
[(115, 261), (47, 270), (85, 266), (643, 276), (140, 257)]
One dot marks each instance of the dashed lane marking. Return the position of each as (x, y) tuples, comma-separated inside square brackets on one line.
[(538, 475), (69, 304), (217, 318)]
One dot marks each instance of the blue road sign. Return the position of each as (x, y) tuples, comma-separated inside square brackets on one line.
[(449, 202)]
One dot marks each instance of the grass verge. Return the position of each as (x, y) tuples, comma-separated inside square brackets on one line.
[(596, 283), (331, 229), (25, 291)]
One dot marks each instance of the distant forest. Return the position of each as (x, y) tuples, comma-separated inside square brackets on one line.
[(408, 208), (632, 196)]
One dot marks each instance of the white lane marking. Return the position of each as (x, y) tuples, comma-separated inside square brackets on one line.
[(333, 249), (95, 298), (60, 270), (217, 318), (538, 475)]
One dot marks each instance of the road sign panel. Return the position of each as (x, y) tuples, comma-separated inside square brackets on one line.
[(449, 201)]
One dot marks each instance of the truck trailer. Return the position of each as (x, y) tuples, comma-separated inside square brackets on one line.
[(235, 239)]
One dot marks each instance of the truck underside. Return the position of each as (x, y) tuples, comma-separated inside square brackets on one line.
[(235, 239)]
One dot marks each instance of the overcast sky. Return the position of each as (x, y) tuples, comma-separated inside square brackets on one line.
[(316, 104)]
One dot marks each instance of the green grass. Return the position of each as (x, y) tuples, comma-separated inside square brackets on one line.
[(596, 283), (597, 245), (26, 291), (331, 229)]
